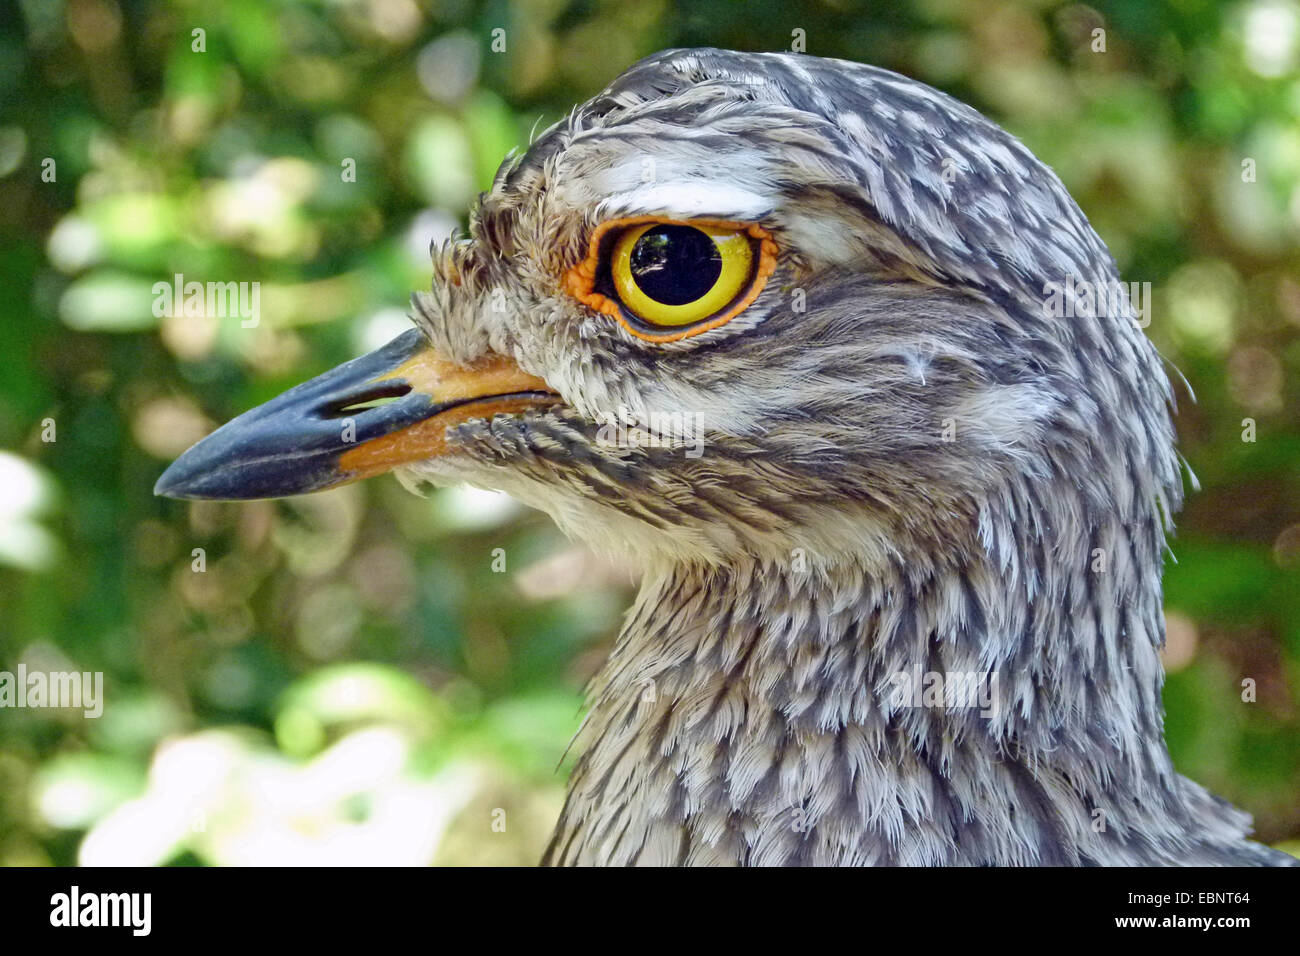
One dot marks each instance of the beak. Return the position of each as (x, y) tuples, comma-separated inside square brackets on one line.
[(364, 418)]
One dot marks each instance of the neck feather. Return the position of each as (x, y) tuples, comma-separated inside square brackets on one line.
[(766, 713)]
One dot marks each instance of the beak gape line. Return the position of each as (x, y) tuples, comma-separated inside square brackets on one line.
[(363, 418)]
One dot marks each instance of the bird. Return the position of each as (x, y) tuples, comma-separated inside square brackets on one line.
[(827, 355)]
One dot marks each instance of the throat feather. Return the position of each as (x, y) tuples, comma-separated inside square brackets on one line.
[(755, 715)]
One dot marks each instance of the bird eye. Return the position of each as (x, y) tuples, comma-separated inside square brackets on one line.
[(675, 275), (665, 281)]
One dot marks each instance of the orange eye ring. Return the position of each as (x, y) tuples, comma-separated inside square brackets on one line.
[(580, 280)]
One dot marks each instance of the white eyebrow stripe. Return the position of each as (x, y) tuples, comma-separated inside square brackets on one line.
[(706, 199)]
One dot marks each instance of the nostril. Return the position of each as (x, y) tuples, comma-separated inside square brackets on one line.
[(378, 395)]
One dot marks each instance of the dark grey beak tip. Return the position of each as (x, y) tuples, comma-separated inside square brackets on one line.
[(207, 473), (291, 445), (169, 485), (190, 478), (178, 481)]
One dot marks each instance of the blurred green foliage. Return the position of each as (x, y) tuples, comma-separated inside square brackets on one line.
[(347, 678)]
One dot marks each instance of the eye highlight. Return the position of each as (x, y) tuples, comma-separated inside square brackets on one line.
[(664, 280)]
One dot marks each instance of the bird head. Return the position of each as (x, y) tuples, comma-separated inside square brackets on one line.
[(743, 304)]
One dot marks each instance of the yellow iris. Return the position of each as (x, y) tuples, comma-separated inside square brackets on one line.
[(733, 265)]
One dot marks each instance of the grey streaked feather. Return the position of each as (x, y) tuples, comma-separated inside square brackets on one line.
[(836, 532)]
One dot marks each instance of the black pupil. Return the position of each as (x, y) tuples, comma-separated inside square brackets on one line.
[(675, 264)]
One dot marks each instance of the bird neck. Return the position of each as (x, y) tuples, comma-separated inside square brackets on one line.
[(977, 712)]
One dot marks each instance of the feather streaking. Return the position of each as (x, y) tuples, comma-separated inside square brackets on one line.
[(911, 467)]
